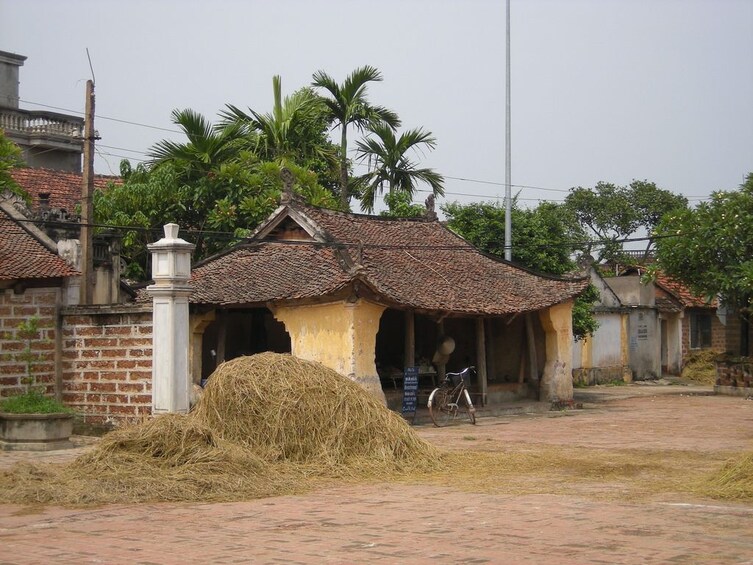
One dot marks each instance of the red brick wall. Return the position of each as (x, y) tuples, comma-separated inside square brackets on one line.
[(14, 309), (718, 333), (107, 362)]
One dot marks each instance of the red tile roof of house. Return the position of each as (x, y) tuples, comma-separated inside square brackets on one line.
[(409, 263), (23, 256), (682, 293), (63, 187)]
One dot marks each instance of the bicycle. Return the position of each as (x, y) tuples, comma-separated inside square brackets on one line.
[(444, 401)]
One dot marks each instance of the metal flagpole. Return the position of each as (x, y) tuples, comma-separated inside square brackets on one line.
[(508, 174)]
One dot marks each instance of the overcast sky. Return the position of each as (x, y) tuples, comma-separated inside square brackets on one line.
[(611, 90)]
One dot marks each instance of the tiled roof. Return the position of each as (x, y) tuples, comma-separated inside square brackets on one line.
[(684, 294), (415, 264), (23, 256), (268, 271), (63, 187)]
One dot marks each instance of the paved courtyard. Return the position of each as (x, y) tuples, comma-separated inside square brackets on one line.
[(406, 523)]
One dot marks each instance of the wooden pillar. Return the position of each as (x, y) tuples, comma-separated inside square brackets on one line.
[(533, 368), (198, 326), (481, 358), (221, 335), (490, 357), (441, 371), (409, 356)]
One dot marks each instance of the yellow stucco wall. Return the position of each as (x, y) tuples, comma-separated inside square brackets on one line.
[(557, 379), (340, 335)]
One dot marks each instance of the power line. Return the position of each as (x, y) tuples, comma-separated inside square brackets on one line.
[(457, 178), (229, 236)]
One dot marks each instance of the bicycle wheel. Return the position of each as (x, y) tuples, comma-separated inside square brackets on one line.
[(438, 409), (469, 407)]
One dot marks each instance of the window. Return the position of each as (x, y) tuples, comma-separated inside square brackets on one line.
[(700, 330)]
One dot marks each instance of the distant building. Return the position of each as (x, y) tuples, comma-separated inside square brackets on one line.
[(47, 139)]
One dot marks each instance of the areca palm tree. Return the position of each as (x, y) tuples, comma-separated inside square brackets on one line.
[(288, 132), (392, 166), (207, 147), (348, 104)]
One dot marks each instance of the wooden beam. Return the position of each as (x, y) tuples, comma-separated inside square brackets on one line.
[(481, 358), (221, 335), (409, 355), (533, 367)]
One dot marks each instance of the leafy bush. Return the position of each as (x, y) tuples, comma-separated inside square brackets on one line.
[(32, 402)]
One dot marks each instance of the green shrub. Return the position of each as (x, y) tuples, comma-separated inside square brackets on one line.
[(32, 402)]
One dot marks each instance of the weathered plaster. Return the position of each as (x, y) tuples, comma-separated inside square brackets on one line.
[(340, 335), (557, 379)]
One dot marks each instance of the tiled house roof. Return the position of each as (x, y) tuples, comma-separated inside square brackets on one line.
[(23, 256), (683, 294), (63, 187), (406, 263)]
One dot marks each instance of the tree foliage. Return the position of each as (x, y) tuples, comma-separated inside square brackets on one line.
[(10, 158), (542, 239), (710, 248), (610, 213), (347, 105), (399, 205), (390, 163), (223, 178)]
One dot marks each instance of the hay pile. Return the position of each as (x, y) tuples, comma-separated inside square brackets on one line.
[(266, 425), (734, 481), (700, 367)]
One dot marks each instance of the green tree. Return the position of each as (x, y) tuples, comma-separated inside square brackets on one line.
[(390, 164), (208, 146), (10, 158), (542, 240), (399, 205), (348, 105), (214, 211), (611, 213), (710, 247), (293, 132)]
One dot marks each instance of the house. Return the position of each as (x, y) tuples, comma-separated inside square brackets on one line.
[(55, 196), (647, 329), (57, 190), (369, 296), (34, 281), (705, 323), (47, 139), (604, 357)]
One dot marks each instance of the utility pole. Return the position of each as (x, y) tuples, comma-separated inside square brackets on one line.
[(508, 153), (87, 207)]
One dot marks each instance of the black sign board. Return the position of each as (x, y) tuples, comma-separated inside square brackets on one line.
[(410, 391)]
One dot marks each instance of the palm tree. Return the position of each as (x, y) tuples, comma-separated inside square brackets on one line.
[(347, 105), (388, 155), (208, 145), (288, 133)]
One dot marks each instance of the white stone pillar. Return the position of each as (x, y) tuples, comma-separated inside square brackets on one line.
[(171, 269)]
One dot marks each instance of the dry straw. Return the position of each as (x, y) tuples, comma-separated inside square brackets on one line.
[(734, 481), (267, 424), (700, 367)]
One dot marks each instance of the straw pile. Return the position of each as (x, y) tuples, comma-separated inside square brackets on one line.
[(266, 425), (700, 368), (734, 481), (287, 409)]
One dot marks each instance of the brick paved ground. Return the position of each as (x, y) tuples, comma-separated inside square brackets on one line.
[(429, 524)]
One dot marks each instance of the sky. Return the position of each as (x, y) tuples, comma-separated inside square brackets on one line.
[(602, 90)]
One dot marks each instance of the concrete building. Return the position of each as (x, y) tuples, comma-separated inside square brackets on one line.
[(47, 139)]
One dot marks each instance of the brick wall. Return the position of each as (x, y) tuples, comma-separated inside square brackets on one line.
[(718, 333), (14, 309), (734, 373), (107, 362)]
